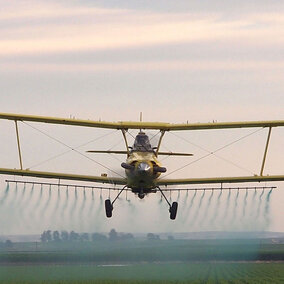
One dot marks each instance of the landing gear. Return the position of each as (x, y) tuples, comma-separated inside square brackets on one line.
[(173, 207), (109, 204), (109, 208), (173, 210), (141, 194)]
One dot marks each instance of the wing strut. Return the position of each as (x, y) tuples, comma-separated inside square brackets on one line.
[(160, 141), (18, 142), (265, 151), (125, 140)]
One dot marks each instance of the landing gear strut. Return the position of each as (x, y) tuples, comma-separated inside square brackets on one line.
[(173, 207), (109, 204)]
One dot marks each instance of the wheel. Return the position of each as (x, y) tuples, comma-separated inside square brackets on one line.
[(173, 210), (109, 208)]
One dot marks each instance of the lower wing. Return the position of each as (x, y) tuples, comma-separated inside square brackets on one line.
[(99, 179), (212, 180)]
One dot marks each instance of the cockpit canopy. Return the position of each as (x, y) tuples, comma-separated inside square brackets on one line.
[(142, 143)]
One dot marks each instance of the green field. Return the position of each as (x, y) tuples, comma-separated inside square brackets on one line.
[(137, 261), (146, 273), (143, 251)]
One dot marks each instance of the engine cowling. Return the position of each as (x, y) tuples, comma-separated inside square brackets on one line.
[(158, 169), (127, 166)]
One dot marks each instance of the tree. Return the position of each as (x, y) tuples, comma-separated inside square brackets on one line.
[(73, 236), (151, 237), (84, 237), (8, 244), (48, 236), (127, 236), (98, 237), (56, 236), (43, 237), (64, 236), (112, 235)]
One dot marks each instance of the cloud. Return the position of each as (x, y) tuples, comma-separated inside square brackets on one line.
[(228, 7), (162, 66), (58, 28)]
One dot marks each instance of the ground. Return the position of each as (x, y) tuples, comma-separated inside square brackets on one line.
[(166, 261)]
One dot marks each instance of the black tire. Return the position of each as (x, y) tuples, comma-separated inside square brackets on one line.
[(109, 208), (173, 210)]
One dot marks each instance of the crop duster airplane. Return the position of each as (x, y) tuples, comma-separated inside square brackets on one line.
[(144, 172)]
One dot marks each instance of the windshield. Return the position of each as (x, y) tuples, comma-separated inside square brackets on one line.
[(142, 143)]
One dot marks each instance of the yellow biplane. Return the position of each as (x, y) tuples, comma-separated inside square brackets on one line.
[(143, 171)]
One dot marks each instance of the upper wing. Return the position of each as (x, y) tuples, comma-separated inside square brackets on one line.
[(141, 125), (220, 180), (100, 179)]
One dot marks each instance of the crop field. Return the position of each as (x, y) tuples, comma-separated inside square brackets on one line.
[(146, 273), (135, 261), (133, 251)]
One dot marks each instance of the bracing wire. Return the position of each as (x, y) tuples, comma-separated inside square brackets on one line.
[(211, 152), (72, 148), (66, 152)]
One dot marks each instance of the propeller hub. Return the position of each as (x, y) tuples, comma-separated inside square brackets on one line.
[(143, 168)]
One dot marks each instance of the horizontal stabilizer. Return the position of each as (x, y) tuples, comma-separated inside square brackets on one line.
[(125, 153)]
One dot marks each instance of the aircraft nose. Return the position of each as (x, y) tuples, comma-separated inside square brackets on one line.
[(143, 167)]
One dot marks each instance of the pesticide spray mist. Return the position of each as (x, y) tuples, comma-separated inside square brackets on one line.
[(35, 208)]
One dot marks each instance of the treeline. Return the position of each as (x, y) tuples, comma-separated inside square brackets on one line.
[(64, 236), (6, 244)]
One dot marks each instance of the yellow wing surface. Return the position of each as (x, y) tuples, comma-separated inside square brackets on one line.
[(123, 181), (141, 125), (219, 180), (124, 125), (51, 175)]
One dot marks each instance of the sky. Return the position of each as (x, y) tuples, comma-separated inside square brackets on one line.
[(176, 61)]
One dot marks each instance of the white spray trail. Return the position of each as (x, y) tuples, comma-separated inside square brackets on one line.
[(205, 215), (56, 208), (234, 211), (81, 210), (64, 207), (216, 209), (267, 208), (186, 213), (245, 203), (91, 207), (43, 211), (253, 204), (259, 205), (228, 202), (21, 199), (74, 206), (197, 209), (98, 223), (5, 195), (37, 204)]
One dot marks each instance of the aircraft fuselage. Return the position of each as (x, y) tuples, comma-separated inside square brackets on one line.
[(142, 167)]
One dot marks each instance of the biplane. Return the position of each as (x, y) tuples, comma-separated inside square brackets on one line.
[(143, 170)]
